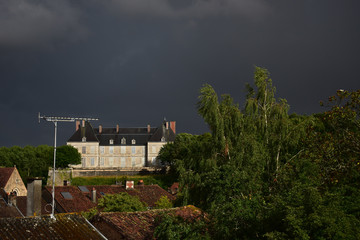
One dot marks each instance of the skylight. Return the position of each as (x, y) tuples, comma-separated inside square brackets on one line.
[(83, 189), (66, 195)]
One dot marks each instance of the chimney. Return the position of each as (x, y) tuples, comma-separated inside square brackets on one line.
[(33, 201), (77, 125), (93, 195), (141, 182), (117, 128), (173, 126), (129, 185), (83, 123), (148, 128), (167, 125), (100, 129), (12, 198)]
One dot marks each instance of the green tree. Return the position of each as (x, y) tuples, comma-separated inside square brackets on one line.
[(66, 155), (163, 202), (122, 202)]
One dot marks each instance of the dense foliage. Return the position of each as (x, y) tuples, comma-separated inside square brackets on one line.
[(121, 202), (263, 173), (35, 161)]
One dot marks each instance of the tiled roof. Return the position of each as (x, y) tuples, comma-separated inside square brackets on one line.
[(5, 209), (66, 226), (5, 174), (139, 225), (81, 201)]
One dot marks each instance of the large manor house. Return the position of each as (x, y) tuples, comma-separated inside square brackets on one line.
[(120, 147)]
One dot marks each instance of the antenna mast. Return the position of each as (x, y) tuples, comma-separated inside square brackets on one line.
[(55, 120)]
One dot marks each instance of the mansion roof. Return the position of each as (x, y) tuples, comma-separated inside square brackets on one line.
[(141, 135)]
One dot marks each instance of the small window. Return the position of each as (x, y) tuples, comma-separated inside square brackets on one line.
[(122, 162), (83, 160), (92, 160), (111, 141), (92, 149), (133, 141), (133, 161), (123, 149), (102, 161), (111, 161), (111, 149), (102, 149), (133, 150), (123, 140), (83, 139), (83, 150), (153, 149), (67, 195)]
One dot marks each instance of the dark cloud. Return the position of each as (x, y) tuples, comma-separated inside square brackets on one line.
[(188, 8), (30, 22), (144, 60)]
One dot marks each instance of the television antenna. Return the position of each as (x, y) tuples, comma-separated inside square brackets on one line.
[(55, 120)]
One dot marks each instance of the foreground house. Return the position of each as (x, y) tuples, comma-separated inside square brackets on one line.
[(83, 198), (120, 147), (11, 182), (64, 226), (139, 225)]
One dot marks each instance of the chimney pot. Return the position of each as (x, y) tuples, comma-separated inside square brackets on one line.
[(117, 128), (173, 126), (167, 125), (77, 125), (93, 195), (148, 128), (100, 129), (83, 123)]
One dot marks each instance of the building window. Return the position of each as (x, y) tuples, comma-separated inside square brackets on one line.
[(122, 162), (123, 141), (102, 161), (153, 149), (111, 161), (102, 149), (133, 150), (142, 161), (133, 141), (111, 141), (83, 161), (83, 150), (92, 160), (133, 161), (83, 139), (111, 149), (123, 149), (92, 149)]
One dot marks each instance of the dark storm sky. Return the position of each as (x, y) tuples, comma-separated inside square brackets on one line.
[(134, 62)]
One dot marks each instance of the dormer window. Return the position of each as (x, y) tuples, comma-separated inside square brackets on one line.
[(111, 141), (133, 141), (123, 141), (163, 139), (83, 139)]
